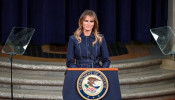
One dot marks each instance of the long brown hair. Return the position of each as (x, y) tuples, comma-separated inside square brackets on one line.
[(79, 30)]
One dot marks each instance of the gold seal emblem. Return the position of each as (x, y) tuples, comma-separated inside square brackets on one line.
[(92, 84)]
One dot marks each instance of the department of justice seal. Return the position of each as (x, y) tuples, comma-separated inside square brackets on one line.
[(92, 84)]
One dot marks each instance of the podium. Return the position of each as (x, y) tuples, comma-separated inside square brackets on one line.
[(70, 83)]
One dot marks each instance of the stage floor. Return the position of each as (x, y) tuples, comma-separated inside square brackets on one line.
[(48, 54)]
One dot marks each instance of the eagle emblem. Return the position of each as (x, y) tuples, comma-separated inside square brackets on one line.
[(92, 84)]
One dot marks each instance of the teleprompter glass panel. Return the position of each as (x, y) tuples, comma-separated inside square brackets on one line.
[(18, 40), (165, 38)]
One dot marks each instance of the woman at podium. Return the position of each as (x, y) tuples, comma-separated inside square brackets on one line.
[(87, 46)]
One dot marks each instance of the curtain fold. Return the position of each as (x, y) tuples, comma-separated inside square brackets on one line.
[(55, 20)]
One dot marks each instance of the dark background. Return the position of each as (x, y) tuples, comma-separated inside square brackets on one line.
[(55, 20)]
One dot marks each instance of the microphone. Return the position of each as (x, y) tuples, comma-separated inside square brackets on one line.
[(92, 56)]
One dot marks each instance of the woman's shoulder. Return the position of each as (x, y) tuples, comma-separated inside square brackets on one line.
[(72, 37), (101, 35)]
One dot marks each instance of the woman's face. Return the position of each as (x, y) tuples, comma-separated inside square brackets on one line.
[(88, 23)]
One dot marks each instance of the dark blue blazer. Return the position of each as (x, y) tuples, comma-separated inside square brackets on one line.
[(86, 55)]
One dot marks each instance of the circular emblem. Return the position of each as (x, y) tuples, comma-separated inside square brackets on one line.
[(92, 84)]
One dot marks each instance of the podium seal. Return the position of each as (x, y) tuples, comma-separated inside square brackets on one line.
[(92, 84)]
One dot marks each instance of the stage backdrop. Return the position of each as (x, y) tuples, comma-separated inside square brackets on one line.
[(55, 20)]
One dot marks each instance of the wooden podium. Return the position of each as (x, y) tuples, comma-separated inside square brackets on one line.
[(70, 83)]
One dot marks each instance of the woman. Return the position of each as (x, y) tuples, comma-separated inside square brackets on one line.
[(87, 45)]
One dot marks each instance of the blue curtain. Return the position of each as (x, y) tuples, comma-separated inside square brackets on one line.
[(55, 20)]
